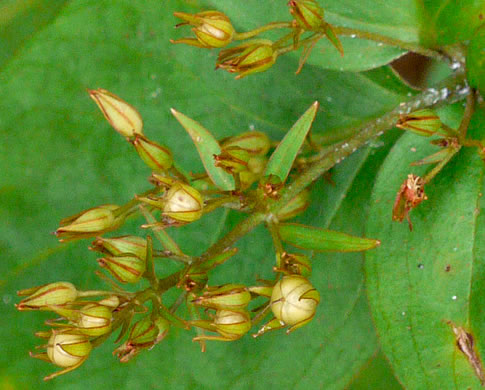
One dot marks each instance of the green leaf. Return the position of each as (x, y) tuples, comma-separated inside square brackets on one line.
[(20, 20), (359, 55), (419, 281), (447, 22), (207, 146), (323, 240), (284, 156), (475, 60), (374, 375)]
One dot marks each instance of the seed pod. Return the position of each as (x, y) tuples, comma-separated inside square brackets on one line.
[(247, 58), (229, 297), (294, 300), (88, 223), (94, 320), (232, 324), (154, 155), (213, 29), (183, 203), (122, 245), (67, 350)]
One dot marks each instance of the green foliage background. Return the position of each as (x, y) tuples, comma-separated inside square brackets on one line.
[(59, 156)]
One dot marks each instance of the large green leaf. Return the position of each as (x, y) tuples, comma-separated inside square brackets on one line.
[(420, 282), (59, 156), (447, 22), (475, 60)]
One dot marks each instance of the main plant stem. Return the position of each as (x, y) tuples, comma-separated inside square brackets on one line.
[(449, 91)]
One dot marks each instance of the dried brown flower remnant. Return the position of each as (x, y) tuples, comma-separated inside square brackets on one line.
[(409, 196)]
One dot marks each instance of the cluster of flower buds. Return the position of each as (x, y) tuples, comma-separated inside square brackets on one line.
[(244, 155), (213, 29), (127, 121), (69, 342)]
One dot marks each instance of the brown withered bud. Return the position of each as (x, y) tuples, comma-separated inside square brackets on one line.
[(409, 196)]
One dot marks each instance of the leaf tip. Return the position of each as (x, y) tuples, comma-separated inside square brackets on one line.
[(173, 111)]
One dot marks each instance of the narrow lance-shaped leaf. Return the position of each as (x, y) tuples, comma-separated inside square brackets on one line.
[(207, 147), (323, 240), (283, 157)]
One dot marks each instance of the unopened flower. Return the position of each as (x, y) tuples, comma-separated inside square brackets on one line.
[(254, 142), (123, 245), (126, 268), (89, 223), (307, 13), (247, 58), (124, 118), (423, 122), (212, 29), (232, 159), (229, 297), (294, 301), (144, 334), (40, 298), (156, 156)]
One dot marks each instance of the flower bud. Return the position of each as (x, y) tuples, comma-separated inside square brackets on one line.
[(124, 118), (68, 350), (256, 165), (229, 297), (88, 223), (254, 142), (247, 58), (156, 156), (40, 298), (295, 206), (232, 325), (270, 187), (123, 245), (94, 320), (307, 13), (423, 122), (213, 29), (409, 196), (183, 203), (144, 333), (294, 300), (232, 159), (127, 268)]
